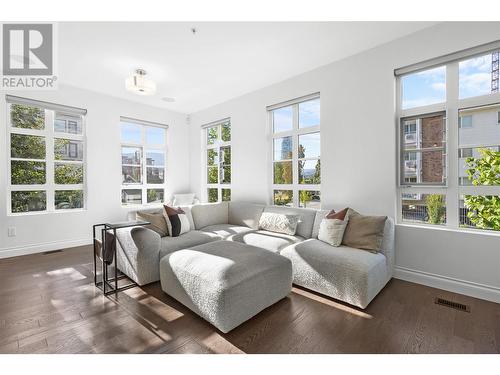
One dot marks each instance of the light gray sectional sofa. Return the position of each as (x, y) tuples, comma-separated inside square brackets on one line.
[(351, 275)]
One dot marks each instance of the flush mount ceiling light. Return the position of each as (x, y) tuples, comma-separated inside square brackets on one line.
[(140, 84)]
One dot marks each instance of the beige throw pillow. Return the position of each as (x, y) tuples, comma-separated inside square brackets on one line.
[(364, 232), (331, 231), (158, 223)]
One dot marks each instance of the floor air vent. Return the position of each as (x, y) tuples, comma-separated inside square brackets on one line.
[(453, 305), (52, 252)]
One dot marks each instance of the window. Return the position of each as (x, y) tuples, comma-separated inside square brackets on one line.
[(296, 166), (143, 152), (217, 156), (46, 157), (457, 187)]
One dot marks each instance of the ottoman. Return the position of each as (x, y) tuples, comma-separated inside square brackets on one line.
[(225, 282)]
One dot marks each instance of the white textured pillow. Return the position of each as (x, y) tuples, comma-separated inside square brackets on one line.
[(183, 199), (332, 231), (279, 223)]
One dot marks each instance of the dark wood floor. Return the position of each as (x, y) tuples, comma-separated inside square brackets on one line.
[(48, 304)]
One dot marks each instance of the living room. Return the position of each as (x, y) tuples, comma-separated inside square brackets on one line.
[(194, 187)]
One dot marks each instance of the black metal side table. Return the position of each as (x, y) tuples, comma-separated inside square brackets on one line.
[(106, 284)]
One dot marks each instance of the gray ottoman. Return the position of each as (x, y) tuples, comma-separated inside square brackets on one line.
[(225, 282)]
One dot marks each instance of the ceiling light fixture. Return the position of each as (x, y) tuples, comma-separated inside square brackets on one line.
[(139, 84)]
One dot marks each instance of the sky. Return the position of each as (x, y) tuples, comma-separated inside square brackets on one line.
[(429, 86), (309, 115)]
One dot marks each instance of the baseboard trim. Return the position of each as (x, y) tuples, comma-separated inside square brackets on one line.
[(477, 290), (40, 248)]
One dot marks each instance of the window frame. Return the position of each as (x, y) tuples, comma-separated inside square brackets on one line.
[(49, 134), (451, 107), (295, 133), (144, 186), (217, 146)]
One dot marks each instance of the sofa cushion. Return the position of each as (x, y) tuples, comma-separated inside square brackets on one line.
[(225, 282), (267, 240), (306, 218), (279, 223), (158, 222), (210, 214), (364, 232), (332, 231), (191, 238), (225, 230), (245, 214), (177, 221), (320, 215), (351, 275)]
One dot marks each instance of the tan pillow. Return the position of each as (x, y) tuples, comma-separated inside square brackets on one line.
[(364, 232), (158, 223)]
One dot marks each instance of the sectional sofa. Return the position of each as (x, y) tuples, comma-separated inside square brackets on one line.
[(352, 275)]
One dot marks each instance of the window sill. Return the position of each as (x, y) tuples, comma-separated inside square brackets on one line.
[(38, 213), (448, 229)]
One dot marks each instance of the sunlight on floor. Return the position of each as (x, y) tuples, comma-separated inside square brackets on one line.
[(218, 344), (334, 304), (71, 272)]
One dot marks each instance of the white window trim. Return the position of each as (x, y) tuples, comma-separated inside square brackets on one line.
[(50, 187), (144, 186), (294, 133), (217, 145), (451, 189)]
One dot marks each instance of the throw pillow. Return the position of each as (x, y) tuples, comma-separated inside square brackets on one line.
[(158, 222), (279, 223), (331, 231), (337, 215), (364, 232), (183, 199), (177, 221)]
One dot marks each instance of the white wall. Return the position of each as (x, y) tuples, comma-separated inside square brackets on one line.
[(40, 232), (358, 157)]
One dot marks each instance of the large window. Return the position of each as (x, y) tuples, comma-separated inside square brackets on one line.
[(449, 146), (296, 166), (217, 156), (143, 153), (46, 152)]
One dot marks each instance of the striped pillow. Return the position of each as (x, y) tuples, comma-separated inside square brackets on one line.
[(177, 221)]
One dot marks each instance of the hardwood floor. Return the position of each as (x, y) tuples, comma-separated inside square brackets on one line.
[(48, 304)]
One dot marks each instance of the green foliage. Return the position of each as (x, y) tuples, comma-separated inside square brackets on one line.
[(305, 197), (213, 195), (226, 132), (226, 195), (25, 117), (283, 197), (283, 172), (26, 201), (484, 210), (212, 135), (27, 172), (436, 208), (66, 199), (27, 146), (211, 156), (68, 174), (154, 195), (484, 170), (225, 177), (212, 177)]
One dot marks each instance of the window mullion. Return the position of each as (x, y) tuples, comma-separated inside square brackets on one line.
[(295, 154), (452, 198), (49, 154)]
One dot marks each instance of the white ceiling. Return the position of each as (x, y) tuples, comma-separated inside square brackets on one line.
[(219, 62)]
